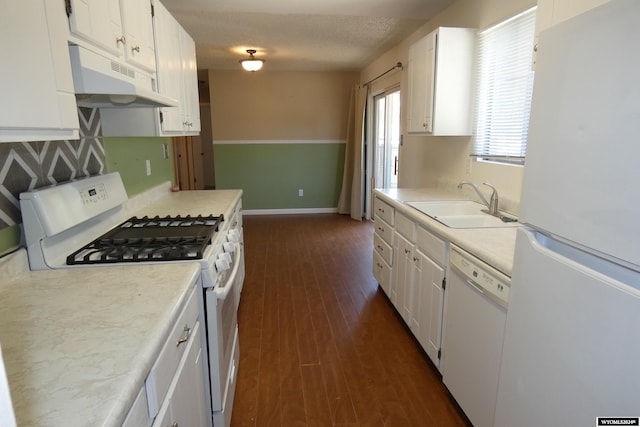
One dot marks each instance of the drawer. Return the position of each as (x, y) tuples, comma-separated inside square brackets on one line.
[(384, 230), (382, 272), (166, 364), (406, 227), (432, 246), (383, 210), (381, 247)]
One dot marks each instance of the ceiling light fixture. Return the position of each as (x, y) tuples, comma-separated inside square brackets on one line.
[(252, 64)]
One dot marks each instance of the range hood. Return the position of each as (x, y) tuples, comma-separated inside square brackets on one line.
[(102, 82)]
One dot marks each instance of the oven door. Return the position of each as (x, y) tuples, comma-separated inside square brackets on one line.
[(222, 333)]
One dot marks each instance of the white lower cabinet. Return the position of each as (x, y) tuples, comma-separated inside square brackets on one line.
[(382, 245), (415, 282), (174, 392), (401, 299), (428, 280), (184, 404)]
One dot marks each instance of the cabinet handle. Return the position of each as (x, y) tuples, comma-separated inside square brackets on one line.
[(415, 258), (185, 337), (407, 251), (121, 39), (135, 48), (380, 229), (380, 247), (380, 210)]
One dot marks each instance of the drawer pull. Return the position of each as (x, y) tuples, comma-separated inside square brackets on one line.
[(184, 338), (380, 229), (381, 248)]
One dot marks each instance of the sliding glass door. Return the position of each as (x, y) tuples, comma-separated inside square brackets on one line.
[(386, 137)]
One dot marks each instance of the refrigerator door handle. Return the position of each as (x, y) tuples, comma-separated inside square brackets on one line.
[(583, 261)]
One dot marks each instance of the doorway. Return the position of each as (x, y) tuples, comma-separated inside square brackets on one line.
[(386, 137)]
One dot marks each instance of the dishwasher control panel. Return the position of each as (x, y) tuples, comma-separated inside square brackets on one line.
[(481, 275)]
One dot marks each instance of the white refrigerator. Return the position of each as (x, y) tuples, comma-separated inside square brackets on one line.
[(572, 340)]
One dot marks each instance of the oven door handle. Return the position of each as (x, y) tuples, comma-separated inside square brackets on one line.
[(221, 293)]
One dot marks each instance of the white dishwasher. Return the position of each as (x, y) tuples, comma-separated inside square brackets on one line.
[(475, 310)]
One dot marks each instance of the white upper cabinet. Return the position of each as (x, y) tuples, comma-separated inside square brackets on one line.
[(97, 22), (168, 40), (139, 47), (190, 105), (421, 71), (552, 12), (122, 28), (38, 101), (177, 78), (440, 82)]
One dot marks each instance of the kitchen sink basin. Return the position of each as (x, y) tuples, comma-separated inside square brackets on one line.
[(462, 214)]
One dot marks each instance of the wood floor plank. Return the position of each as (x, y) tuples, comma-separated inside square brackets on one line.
[(321, 345)]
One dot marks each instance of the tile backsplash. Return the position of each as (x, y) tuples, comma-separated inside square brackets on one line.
[(26, 166)]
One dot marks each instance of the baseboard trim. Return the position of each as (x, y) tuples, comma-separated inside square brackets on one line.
[(289, 211)]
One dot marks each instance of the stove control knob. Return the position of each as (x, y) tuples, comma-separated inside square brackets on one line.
[(222, 264), (226, 257), (228, 247), (233, 236)]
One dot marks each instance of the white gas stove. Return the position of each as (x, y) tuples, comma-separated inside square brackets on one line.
[(83, 223)]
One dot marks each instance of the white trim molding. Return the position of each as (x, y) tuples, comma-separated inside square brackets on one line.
[(279, 141), (289, 211)]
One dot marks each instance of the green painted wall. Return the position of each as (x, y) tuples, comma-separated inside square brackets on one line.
[(271, 174), (9, 239), (128, 156)]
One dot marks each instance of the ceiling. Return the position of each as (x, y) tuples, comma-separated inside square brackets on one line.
[(299, 34)]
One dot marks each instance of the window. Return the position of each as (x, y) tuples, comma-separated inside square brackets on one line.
[(504, 88)]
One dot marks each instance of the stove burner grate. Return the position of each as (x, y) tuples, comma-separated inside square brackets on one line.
[(170, 238)]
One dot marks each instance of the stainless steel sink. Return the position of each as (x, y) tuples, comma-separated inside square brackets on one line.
[(462, 214)]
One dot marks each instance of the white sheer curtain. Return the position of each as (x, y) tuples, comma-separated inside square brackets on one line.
[(352, 194)]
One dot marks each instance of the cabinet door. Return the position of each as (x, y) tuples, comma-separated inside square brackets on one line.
[(421, 80), (188, 401), (429, 298), (38, 101), (137, 23), (98, 22), (191, 105), (185, 401), (167, 37), (403, 278)]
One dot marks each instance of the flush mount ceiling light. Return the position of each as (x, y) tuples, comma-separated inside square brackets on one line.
[(252, 64)]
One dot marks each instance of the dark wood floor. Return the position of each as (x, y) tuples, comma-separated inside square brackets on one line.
[(320, 344)]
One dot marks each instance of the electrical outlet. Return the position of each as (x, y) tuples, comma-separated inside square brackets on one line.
[(300, 192), (148, 162), (165, 151)]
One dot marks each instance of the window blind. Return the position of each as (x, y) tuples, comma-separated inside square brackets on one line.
[(504, 87)]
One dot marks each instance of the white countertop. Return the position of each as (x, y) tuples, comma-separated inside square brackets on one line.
[(495, 246), (161, 201), (78, 343)]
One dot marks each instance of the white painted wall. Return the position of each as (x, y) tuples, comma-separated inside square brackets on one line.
[(443, 161)]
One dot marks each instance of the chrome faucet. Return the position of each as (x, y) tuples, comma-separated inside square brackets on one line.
[(492, 204)]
